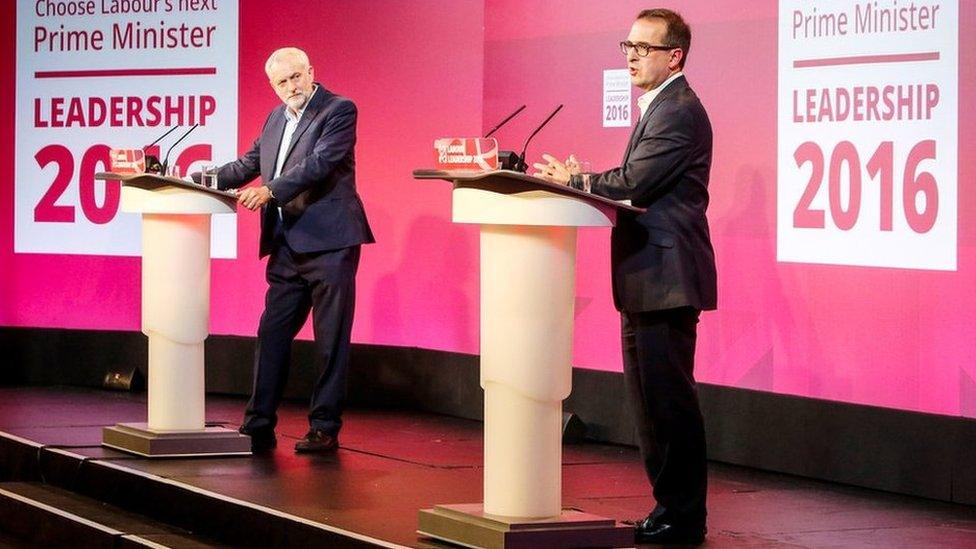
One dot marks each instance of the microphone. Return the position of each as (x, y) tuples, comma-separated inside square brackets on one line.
[(518, 161), (166, 158), (503, 122), (152, 163)]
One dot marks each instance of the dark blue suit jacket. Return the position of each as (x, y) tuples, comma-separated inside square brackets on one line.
[(320, 209), (663, 258)]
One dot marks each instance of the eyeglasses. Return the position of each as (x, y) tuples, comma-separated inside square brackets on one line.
[(642, 49)]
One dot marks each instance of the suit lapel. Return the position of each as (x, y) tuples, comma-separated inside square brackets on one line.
[(641, 126), (638, 130), (271, 144), (311, 111)]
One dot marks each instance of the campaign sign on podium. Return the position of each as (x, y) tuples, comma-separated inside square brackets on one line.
[(466, 153)]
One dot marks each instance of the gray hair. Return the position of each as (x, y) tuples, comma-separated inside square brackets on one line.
[(281, 54)]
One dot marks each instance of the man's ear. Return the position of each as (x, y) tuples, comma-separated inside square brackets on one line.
[(676, 57)]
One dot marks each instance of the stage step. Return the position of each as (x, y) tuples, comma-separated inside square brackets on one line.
[(41, 515), (173, 507)]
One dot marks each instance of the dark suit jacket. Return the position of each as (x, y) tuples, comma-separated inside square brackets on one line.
[(320, 209), (663, 258)]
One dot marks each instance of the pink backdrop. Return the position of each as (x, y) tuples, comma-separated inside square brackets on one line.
[(420, 70)]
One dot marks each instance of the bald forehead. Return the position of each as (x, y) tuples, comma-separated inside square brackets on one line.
[(291, 57), (286, 64), (648, 29)]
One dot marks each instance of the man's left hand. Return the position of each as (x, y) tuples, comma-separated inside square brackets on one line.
[(254, 197), (552, 170)]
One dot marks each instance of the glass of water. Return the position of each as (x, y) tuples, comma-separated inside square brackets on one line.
[(208, 177)]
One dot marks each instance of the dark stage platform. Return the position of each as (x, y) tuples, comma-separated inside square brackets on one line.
[(390, 464)]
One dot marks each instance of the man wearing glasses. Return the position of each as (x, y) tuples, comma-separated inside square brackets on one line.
[(663, 269), (312, 226)]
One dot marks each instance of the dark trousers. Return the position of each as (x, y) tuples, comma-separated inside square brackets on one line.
[(659, 361), (324, 283)]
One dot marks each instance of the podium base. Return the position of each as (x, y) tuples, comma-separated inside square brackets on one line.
[(137, 438), (468, 525)]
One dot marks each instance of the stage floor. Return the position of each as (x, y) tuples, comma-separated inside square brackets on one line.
[(392, 463)]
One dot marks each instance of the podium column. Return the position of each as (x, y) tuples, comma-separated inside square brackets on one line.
[(175, 316), (526, 357)]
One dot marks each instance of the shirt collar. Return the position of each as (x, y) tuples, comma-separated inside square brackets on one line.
[(644, 101)]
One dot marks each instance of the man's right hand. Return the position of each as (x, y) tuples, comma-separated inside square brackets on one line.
[(254, 197), (553, 170)]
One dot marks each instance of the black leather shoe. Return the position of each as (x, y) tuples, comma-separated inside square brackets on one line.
[(317, 440), (661, 530), (262, 440)]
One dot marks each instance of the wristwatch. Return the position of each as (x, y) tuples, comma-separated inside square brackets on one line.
[(580, 181)]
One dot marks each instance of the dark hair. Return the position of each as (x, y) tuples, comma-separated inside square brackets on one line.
[(678, 33)]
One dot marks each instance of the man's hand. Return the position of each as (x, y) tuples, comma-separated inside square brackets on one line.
[(555, 171), (254, 197)]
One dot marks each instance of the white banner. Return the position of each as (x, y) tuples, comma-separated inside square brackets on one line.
[(100, 74), (867, 148), (616, 98)]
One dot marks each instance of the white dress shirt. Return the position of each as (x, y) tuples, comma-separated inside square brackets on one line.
[(291, 124), (644, 101)]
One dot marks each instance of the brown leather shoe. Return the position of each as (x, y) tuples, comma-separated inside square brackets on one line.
[(317, 440)]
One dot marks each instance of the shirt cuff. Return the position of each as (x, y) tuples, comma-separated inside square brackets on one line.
[(580, 181)]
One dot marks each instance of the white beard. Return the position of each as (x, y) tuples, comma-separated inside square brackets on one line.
[(296, 102)]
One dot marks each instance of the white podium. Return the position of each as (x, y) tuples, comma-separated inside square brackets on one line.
[(175, 317), (528, 260)]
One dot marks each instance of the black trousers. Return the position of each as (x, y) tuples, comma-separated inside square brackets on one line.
[(659, 361), (324, 283)]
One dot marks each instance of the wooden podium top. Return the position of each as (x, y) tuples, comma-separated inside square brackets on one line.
[(146, 193), (512, 182), (151, 181)]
